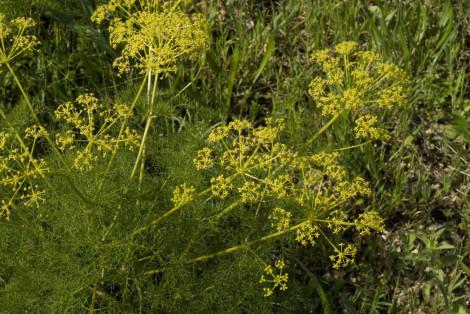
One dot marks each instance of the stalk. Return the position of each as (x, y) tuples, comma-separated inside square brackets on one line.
[(33, 112), (244, 245), (113, 155), (323, 129)]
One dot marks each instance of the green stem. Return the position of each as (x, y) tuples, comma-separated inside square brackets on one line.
[(344, 223), (142, 144), (227, 209), (93, 300), (113, 155), (25, 95), (353, 146), (166, 214), (244, 245), (323, 129), (151, 101)]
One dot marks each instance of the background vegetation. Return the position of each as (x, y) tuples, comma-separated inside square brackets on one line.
[(257, 65)]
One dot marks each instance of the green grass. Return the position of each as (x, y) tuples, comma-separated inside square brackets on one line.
[(258, 65)]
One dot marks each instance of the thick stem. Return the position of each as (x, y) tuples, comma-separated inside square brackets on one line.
[(227, 209), (93, 300), (151, 101)]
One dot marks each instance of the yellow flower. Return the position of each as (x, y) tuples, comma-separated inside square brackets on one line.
[(250, 192), (277, 279), (182, 195), (281, 219), (89, 129), (344, 255), (366, 128), (65, 140), (337, 217), (240, 125), (346, 47), (203, 159), (220, 187), (14, 38), (280, 186), (356, 81), (35, 132), (218, 134), (33, 196), (369, 221), (152, 35), (307, 234)]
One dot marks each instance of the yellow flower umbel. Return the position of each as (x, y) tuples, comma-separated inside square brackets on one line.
[(252, 161), (20, 171), (344, 255), (14, 40), (274, 276), (246, 155), (358, 82), (152, 34), (89, 130), (182, 195)]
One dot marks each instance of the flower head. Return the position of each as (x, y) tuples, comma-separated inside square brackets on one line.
[(14, 38), (152, 35), (275, 276)]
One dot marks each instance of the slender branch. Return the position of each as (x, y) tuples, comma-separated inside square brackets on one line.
[(142, 144), (353, 146), (166, 214), (244, 245), (123, 126), (323, 129)]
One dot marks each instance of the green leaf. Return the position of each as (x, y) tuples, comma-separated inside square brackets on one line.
[(445, 246), (270, 48), (316, 284)]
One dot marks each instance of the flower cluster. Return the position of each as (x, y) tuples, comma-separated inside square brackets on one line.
[(307, 234), (280, 219), (14, 40), (20, 171), (89, 127), (153, 34), (246, 155), (252, 166), (182, 195), (275, 276), (344, 255), (359, 82)]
